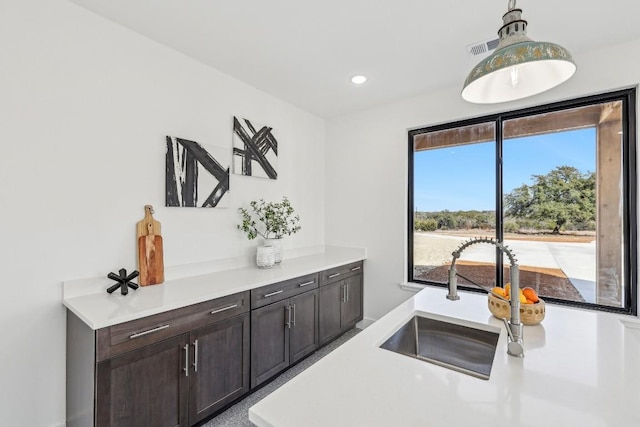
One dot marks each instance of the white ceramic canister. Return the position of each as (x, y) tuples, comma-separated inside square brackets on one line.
[(277, 248)]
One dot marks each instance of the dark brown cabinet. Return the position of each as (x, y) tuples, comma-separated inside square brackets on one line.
[(340, 301), (178, 367), (219, 366), (144, 387), (284, 331), (170, 369), (269, 341), (303, 334), (352, 306), (330, 319)]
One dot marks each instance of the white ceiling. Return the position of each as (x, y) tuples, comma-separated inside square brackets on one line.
[(305, 51)]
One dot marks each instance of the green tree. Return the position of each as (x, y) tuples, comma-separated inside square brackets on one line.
[(446, 220), (564, 194)]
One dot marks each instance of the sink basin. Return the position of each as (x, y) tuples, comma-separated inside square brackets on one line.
[(463, 346)]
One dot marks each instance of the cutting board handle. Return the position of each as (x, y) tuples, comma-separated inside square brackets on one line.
[(148, 226), (148, 218), (148, 212)]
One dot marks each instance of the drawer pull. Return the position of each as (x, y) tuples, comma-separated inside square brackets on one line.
[(355, 269), (273, 293), (334, 275), (140, 334), (311, 282), (220, 310)]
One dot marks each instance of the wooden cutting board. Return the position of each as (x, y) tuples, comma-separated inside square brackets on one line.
[(150, 254)]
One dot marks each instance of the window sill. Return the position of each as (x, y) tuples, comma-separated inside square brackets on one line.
[(412, 286)]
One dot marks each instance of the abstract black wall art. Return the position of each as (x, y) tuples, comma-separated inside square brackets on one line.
[(255, 150), (196, 176)]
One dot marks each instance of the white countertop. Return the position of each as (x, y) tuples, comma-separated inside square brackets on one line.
[(581, 368), (98, 309)]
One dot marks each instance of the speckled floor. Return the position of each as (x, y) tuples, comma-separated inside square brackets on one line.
[(238, 414)]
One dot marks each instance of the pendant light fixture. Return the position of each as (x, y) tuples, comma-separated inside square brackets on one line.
[(520, 67)]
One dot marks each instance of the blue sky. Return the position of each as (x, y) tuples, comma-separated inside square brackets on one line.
[(463, 177)]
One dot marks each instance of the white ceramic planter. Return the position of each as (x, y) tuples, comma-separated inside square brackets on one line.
[(265, 256)]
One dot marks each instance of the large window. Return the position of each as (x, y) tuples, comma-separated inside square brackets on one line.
[(556, 184)]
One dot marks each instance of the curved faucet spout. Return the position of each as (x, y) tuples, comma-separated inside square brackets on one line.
[(514, 327)]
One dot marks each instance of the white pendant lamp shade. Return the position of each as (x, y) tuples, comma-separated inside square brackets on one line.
[(520, 67)]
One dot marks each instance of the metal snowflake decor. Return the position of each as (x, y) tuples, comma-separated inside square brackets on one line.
[(124, 281)]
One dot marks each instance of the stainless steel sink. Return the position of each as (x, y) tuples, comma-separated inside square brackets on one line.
[(457, 346)]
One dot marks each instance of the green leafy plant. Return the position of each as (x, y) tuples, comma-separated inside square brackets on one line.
[(269, 220)]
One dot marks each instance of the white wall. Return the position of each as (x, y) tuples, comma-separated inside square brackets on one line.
[(366, 191), (84, 108)]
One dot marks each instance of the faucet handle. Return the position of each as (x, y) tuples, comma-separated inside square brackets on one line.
[(506, 325), (515, 346)]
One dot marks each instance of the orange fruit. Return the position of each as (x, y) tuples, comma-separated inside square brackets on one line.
[(530, 294), (498, 291), (507, 289)]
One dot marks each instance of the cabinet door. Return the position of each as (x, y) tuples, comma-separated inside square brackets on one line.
[(330, 302), (352, 306), (304, 325), (269, 341), (219, 366), (144, 387)]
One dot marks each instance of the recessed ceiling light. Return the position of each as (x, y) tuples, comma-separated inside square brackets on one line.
[(358, 80)]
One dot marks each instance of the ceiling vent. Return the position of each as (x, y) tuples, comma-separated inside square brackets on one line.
[(482, 49)]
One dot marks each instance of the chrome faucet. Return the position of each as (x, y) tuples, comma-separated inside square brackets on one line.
[(515, 346)]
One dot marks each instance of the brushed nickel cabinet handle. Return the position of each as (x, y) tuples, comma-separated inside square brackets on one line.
[(293, 308), (273, 293), (346, 285), (195, 356), (220, 310), (186, 360), (288, 322), (355, 269), (344, 293), (334, 275), (311, 282), (150, 331)]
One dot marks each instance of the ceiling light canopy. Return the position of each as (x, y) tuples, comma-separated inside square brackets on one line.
[(520, 67)]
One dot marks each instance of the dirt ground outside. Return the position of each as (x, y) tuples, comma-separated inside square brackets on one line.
[(565, 236), (433, 255)]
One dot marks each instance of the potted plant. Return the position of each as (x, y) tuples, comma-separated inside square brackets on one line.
[(270, 220)]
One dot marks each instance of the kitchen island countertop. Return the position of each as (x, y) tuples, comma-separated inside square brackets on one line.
[(581, 368)]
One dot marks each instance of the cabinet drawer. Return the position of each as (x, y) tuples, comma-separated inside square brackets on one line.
[(138, 333), (281, 290), (339, 273)]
